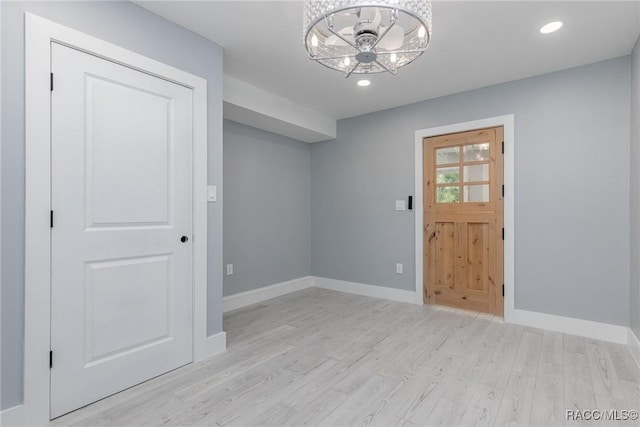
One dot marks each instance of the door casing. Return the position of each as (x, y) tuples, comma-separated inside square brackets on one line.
[(507, 122), (39, 33)]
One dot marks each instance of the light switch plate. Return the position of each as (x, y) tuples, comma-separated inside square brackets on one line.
[(399, 268), (400, 205), (212, 193)]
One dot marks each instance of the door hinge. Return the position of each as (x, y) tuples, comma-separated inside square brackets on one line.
[(502, 141), (502, 190), (51, 220), (51, 80), (502, 233), (50, 359), (503, 289)]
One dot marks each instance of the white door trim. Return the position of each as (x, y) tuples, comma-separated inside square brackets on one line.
[(39, 33), (507, 122)]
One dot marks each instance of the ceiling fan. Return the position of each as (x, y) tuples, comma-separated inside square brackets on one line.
[(366, 36)]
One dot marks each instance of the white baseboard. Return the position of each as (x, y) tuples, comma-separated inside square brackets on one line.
[(243, 299), (568, 325), (365, 290), (634, 346), (14, 416), (215, 344)]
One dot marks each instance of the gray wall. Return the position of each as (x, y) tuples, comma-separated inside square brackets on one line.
[(134, 28), (267, 208), (571, 189), (635, 190)]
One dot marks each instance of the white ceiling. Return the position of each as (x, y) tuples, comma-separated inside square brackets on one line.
[(475, 44)]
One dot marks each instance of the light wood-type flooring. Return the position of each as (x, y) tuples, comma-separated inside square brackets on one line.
[(324, 358)]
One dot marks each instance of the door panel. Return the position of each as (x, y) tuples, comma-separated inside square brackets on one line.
[(445, 264), (463, 220), (126, 197), (121, 195), (478, 256), (137, 290)]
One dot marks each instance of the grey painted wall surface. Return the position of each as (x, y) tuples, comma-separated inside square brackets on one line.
[(634, 300), (136, 29), (267, 208), (571, 189)]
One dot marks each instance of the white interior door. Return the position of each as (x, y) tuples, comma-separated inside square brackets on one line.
[(121, 199)]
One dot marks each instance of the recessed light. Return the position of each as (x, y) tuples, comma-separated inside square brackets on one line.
[(364, 83), (551, 27)]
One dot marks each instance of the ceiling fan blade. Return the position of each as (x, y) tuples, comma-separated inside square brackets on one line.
[(344, 19), (333, 40), (393, 39), (372, 15)]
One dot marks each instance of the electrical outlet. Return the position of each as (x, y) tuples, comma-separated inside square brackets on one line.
[(229, 269), (398, 268)]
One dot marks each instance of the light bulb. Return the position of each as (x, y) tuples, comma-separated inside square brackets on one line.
[(364, 83), (314, 41), (422, 32), (347, 61), (393, 58)]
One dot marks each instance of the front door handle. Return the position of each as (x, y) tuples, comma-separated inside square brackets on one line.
[(184, 239)]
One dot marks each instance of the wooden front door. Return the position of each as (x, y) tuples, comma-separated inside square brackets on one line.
[(463, 211)]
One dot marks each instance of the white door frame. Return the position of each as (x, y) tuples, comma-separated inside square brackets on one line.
[(507, 122), (39, 34)]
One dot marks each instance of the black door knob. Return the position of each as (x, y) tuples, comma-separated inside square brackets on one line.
[(184, 239)]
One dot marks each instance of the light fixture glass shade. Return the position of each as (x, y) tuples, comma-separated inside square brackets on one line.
[(363, 37)]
